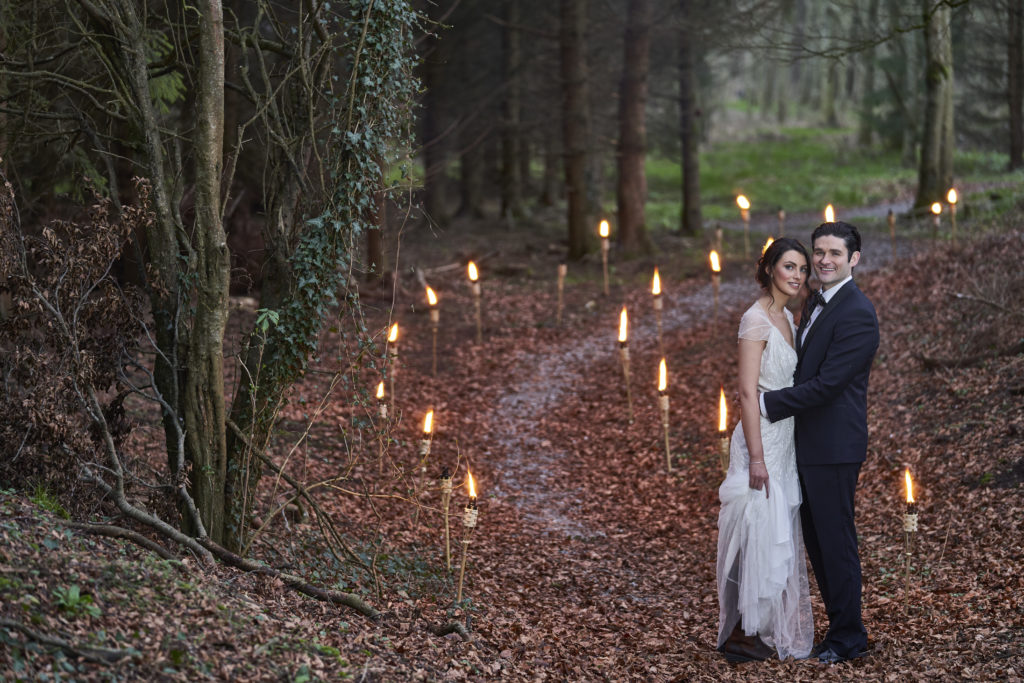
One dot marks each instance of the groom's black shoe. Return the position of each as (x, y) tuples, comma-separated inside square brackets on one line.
[(743, 648), (830, 656)]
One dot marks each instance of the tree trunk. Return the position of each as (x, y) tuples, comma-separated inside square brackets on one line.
[(471, 179), (935, 172), (376, 258), (865, 130), (204, 387), (632, 190), (691, 221), (575, 122), (1015, 81), (435, 144), (511, 189), (549, 191)]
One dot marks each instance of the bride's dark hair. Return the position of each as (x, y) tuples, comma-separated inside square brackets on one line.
[(772, 255)]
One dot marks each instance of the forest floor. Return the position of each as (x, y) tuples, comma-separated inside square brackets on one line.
[(590, 560)]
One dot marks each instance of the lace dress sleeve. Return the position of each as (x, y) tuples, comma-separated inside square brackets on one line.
[(754, 325)]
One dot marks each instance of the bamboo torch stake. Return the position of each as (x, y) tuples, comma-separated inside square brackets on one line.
[(909, 529), (393, 355), (744, 204), (891, 219), (723, 434), (716, 279), (656, 292), (562, 270), (446, 498), (936, 218), (663, 404), (425, 443), (624, 354), (435, 316), (470, 515), (782, 222), (951, 198), (603, 230), (474, 278), (382, 412)]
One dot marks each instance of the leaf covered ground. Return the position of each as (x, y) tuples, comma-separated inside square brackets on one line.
[(590, 560)]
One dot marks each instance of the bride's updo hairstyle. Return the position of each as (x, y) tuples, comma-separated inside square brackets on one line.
[(772, 255)]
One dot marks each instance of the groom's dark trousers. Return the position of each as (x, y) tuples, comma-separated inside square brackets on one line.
[(829, 401)]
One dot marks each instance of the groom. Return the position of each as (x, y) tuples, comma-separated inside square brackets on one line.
[(836, 342)]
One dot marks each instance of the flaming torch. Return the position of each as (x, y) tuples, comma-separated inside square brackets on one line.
[(624, 353), (830, 214), (782, 222), (446, 498), (663, 404), (469, 518), (563, 269), (909, 528), (605, 246), (474, 279), (716, 277), (936, 217), (767, 243), (744, 204), (656, 292), (393, 354), (723, 435), (951, 198), (435, 316)]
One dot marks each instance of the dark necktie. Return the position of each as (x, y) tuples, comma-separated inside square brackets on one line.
[(818, 299)]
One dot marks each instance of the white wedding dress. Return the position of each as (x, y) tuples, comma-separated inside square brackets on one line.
[(762, 574)]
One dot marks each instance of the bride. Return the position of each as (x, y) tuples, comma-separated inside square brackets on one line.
[(763, 598)]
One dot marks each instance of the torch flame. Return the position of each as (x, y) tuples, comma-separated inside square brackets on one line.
[(722, 412), (380, 391), (471, 269), (743, 202), (716, 266), (603, 229), (662, 376), (472, 484), (428, 422), (951, 197), (431, 297), (623, 325), (830, 214), (393, 334), (656, 283), (910, 486), (936, 208), (767, 244)]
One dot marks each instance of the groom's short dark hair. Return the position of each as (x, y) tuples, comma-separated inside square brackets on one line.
[(844, 231)]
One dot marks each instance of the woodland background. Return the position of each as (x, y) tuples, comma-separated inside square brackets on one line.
[(213, 213)]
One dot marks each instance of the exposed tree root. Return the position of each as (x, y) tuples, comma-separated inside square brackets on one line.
[(290, 580), (121, 532), (93, 654)]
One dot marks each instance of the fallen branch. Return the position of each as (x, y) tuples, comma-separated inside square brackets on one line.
[(93, 654), (969, 361), (987, 302), (120, 532), (451, 627), (290, 580)]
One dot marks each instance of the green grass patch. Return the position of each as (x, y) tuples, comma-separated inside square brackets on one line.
[(800, 169)]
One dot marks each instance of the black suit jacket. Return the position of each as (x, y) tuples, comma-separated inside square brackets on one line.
[(829, 396)]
